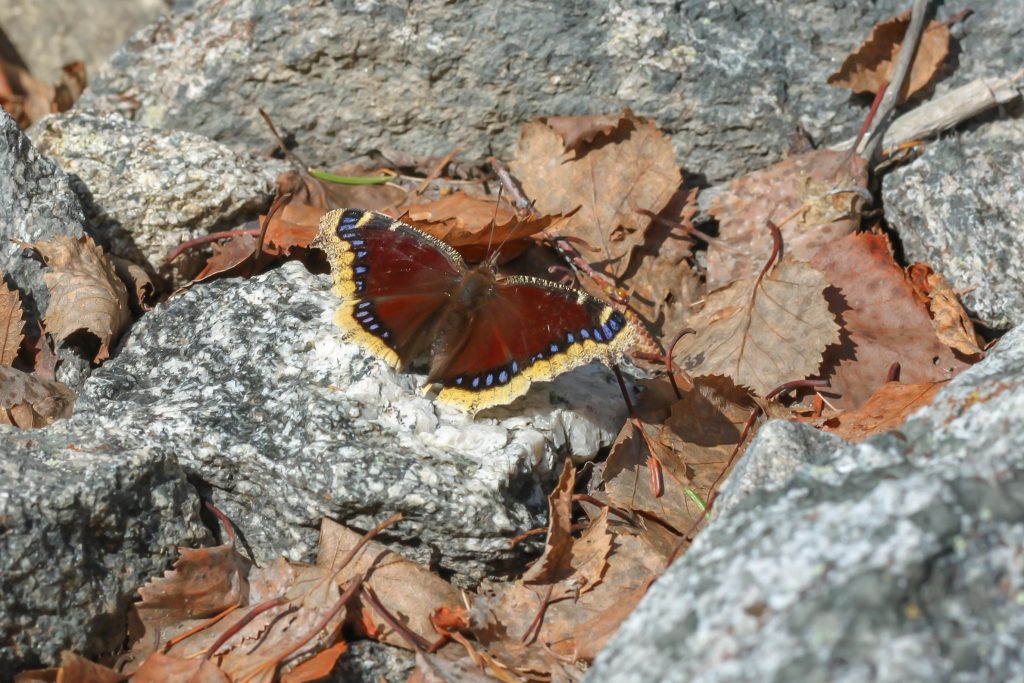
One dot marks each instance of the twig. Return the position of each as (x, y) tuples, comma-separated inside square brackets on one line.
[(900, 78)]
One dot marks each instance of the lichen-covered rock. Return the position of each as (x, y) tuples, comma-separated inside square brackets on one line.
[(960, 208), (279, 422), (730, 81), (891, 560), (81, 528), (146, 191)]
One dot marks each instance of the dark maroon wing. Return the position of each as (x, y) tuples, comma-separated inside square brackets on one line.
[(392, 278), (532, 330)]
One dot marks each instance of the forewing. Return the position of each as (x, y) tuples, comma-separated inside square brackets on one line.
[(392, 279)]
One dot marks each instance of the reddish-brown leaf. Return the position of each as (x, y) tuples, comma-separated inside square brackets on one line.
[(870, 66), (161, 668), (819, 187), (465, 223), (293, 227), (883, 323), (411, 592), (631, 172), (233, 257), (305, 189), (887, 409)]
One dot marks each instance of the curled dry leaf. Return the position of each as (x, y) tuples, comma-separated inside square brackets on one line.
[(12, 325), (611, 183), (870, 66), (819, 187), (323, 194), (73, 669), (952, 324), (763, 332), (86, 293), (883, 323), (141, 288), (28, 401), (887, 409), (291, 228)]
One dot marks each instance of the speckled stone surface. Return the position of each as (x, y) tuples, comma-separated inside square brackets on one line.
[(36, 203), (960, 208), (729, 81), (278, 421), (81, 528), (146, 191), (367, 661), (898, 559)]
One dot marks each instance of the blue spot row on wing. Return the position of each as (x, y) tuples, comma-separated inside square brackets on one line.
[(368, 320), (500, 376)]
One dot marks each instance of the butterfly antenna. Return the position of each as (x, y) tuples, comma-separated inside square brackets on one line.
[(494, 223)]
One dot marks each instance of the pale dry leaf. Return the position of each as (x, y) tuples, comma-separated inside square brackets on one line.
[(612, 184), (86, 293), (952, 325), (887, 409), (578, 131), (12, 325), (140, 285), (763, 334), (27, 401), (819, 187)]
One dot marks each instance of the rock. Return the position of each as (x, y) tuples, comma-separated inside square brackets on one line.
[(895, 559), (960, 208), (81, 528), (367, 661), (280, 423), (47, 35), (36, 203), (731, 82), (146, 191)]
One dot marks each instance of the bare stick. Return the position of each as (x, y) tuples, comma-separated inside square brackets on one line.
[(900, 76)]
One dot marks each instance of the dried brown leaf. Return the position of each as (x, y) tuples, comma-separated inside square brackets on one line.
[(634, 170), (305, 189), (411, 592), (233, 257), (141, 288), (578, 131), (161, 668), (291, 228), (763, 333), (887, 409), (73, 669), (27, 401), (86, 293), (883, 322), (870, 67), (472, 224), (819, 187), (554, 564), (952, 324), (12, 325)]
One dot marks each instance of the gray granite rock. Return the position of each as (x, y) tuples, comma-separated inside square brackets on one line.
[(279, 422), (729, 81), (960, 208), (367, 661), (146, 191), (81, 528), (897, 559), (36, 203)]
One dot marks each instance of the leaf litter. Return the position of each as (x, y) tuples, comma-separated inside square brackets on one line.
[(772, 311)]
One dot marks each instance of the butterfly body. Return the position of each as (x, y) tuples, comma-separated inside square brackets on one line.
[(406, 296)]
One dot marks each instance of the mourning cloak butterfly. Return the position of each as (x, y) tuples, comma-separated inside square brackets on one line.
[(408, 296)]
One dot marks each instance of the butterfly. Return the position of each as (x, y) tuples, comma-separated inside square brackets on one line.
[(407, 296)]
